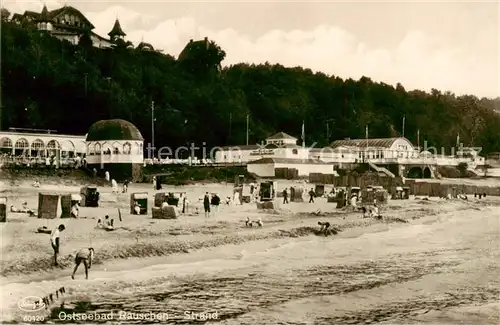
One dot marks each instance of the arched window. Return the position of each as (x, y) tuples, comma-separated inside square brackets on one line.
[(106, 148), (37, 145), (22, 144), (116, 151), (90, 149), (127, 148), (5, 143), (53, 144), (98, 148)]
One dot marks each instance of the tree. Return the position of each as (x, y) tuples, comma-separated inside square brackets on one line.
[(5, 14), (68, 88), (85, 41)]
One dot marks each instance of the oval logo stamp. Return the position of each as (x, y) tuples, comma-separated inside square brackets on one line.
[(31, 304)]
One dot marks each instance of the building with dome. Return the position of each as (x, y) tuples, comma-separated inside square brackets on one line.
[(116, 146)]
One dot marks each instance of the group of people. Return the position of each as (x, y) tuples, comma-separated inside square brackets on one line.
[(108, 224), (311, 193), (371, 213), (84, 255), (250, 223), (209, 201)]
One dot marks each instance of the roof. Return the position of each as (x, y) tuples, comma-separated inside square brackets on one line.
[(192, 46), (378, 143), (17, 16), (287, 161), (113, 130), (99, 37), (46, 15), (145, 46), (281, 135), (117, 29), (264, 147)]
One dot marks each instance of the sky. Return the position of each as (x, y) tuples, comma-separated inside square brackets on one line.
[(447, 45)]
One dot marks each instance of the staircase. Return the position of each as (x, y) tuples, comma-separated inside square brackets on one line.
[(381, 170)]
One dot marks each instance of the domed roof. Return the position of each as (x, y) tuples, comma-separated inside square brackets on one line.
[(113, 130)]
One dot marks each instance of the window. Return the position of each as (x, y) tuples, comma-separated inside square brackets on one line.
[(116, 151), (127, 148), (295, 151)]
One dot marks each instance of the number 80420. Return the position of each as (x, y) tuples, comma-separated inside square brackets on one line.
[(33, 318)]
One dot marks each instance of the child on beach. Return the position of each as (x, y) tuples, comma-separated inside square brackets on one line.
[(85, 256), (324, 227)]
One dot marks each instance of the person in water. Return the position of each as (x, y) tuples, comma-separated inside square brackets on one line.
[(85, 256), (324, 227)]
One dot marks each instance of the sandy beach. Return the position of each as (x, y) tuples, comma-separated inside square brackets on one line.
[(440, 266)]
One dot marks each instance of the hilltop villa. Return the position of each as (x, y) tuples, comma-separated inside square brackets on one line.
[(68, 23)]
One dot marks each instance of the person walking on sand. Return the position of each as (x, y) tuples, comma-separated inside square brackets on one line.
[(107, 176), (206, 205), (312, 194), (54, 240), (285, 196), (85, 256), (125, 186)]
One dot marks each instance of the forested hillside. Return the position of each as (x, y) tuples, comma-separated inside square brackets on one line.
[(51, 84)]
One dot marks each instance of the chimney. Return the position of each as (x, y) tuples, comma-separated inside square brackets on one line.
[(191, 41)]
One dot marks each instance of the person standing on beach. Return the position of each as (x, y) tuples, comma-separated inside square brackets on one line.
[(54, 240), (125, 186), (312, 194), (285, 196), (85, 256), (107, 176), (206, 205)]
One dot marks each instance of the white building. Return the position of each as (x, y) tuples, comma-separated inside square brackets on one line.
[(266, 167), (280, 145), (373, 150), (42, 144), (114, 142)]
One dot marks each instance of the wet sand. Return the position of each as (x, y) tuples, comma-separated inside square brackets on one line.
[(441, 267)]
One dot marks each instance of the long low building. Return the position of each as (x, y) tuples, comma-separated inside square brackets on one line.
[(42, 144), (266, 167)]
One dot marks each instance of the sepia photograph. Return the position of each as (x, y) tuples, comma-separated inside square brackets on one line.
[(250, 162)]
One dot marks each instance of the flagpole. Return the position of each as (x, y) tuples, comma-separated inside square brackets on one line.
[(366, 134), (404, 118), (303, 134), (418, 139), (248, 115)]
